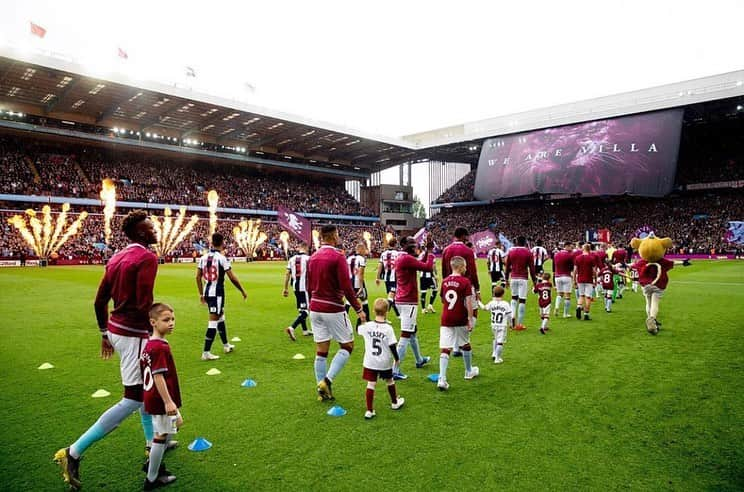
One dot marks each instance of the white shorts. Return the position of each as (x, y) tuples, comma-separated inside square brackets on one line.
[(408, 313), (331, 326), (586, 290), (518, 287), (129, 350), (453, 336), (545, 312), (651, 289), (563, 285), (499, 334), (165, 424)]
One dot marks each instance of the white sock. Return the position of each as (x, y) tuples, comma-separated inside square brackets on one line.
[(495, 349), (156, 457), (499, 350), (443, 363), (544, 323), (514, 308), (566, 306), (558, 301)]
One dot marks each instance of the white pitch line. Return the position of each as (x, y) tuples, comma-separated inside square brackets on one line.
[(704, 283)]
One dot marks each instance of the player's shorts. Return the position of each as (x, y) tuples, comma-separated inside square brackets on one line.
[(372, 375), (426, 283), (518, 287), (301, 300), (408, 313), (651, 289), (453, 336), (538, 269), (497, 276), (331, 326), (608, 293), (390, 286), (545, 312), (499, 334), (165, 424), (586, 290), (563, 284), (129, 350), (362, 294), (216, 305)]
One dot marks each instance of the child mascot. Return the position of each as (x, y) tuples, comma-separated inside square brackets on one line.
[(652, 269)]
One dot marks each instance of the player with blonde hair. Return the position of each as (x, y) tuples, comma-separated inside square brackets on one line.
[(380, 350)]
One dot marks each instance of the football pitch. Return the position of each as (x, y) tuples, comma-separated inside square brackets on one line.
[(598, 405)]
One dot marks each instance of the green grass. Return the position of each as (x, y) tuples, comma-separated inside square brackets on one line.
[(594, 405)]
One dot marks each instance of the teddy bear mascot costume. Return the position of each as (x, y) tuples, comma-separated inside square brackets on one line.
[(652, 270)]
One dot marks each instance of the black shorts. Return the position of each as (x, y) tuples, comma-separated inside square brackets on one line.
[(538, 269), (301, 298), (216, 305), (363, 295), (371, 375), (426, 283), (390, 286), (497, 276)]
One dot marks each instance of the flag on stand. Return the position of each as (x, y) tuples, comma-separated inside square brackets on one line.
[(296, 224), (123, 54), (505, 241), (483, 241), (37, 30), (190, 72), (735, 233), (421, 236)]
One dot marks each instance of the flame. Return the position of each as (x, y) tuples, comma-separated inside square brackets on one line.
[(212, 199), (388, 237), (71, 231), (46, 228), (170, 234), (108, 197), (43, 238), (248, 236), (368, 239), (284, 238), (171, 238), (19, 222), (316, 239)]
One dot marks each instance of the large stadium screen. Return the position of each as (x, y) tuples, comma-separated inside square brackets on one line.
[(634, 155)]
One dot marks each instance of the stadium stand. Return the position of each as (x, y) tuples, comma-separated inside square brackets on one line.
[(697, 221), (77, 171)]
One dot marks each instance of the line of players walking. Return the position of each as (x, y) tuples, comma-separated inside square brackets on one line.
[(328, 285)]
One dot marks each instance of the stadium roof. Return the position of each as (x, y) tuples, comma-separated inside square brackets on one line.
[(52, 86), (57, 89)]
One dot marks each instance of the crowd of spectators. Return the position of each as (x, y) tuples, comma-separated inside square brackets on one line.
[(462, 191), (697, 222), (78, 172)]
